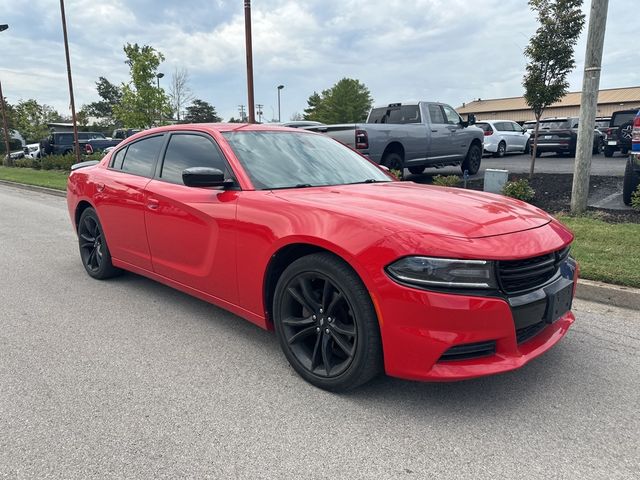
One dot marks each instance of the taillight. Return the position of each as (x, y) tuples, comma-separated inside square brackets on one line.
[(362, 140), (635, 135), (88, 149), (488, 132)]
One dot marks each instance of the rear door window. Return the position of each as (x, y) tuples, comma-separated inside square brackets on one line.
[(189, 150), (436, 115), (141, 156), (451, 115)]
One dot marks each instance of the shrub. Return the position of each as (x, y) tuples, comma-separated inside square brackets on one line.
[(26, 163), (635, 199), (57, 162), (448, 181), (519, 189), (396, 173)]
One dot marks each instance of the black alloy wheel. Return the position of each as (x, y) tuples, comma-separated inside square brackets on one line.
[(94, 252), (326, 323), (472, 161), (393, 161)]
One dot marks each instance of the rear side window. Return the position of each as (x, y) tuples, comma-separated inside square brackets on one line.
[(64, 138), (436, 115), (141, 156), (396, 115), (376, 115), (187, 150), (116, 160)]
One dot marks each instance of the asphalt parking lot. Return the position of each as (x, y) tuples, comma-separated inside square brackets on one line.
[(131, 379)]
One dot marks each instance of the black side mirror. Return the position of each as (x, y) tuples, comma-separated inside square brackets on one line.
[(204, 177), (471, 119)]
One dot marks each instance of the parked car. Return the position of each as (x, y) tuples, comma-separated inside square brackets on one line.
[(98, 145), (16, 149), (619, 132), (122, 133), (632, 169), (529, 126), (356, 272), (602, 123), (414, 136), (504, 136), (560, 135), (32, 150), (61, 143)]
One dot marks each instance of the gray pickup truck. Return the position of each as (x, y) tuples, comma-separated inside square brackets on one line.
[(413, 135)]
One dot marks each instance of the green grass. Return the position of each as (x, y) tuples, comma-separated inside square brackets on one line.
[(42, 178), (607, 252)]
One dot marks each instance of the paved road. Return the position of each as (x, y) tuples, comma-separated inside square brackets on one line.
[(128, 378)]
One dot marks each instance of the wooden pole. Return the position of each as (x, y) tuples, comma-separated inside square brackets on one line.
[(588, 105), (73, 105), (247, 33)]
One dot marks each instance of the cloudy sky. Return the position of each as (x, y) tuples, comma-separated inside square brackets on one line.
[(445, 50)]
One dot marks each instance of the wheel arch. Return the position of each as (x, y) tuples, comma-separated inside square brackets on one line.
[(283, 257), (81, 207), (393, 147)]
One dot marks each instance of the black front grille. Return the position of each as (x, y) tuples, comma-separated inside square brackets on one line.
[(527, 333), (469, 350), (517, 276)]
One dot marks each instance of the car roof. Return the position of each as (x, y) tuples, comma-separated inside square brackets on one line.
[(221, 128), (493, 121)]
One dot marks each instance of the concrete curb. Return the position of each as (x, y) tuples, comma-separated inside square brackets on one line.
[(35, 188), (624, 297)]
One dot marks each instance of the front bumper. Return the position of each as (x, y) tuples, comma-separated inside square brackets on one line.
[(419, 328)]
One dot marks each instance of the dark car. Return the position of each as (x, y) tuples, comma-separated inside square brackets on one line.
[(632, 169), (61, 143), (560, 135), (619, 132)]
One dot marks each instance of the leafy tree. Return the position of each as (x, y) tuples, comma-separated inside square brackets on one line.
[(31, 119), (143, 104), (179, 92), (234, 120), (110, 96), (347, 101), (550, 54), (201, 112)]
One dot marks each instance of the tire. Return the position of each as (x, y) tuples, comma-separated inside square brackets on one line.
[(630, 182), (500, 152), (473, 159), (527, 148), (416, 170), (624, 151), (538, 153), (597, 147), (94, 251), (608, 152), (394, 161), (316, 294)]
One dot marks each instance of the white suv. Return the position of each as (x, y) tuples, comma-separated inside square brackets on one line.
[(504, 136)]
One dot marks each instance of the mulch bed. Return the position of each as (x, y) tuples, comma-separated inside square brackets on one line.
[(553, 194)]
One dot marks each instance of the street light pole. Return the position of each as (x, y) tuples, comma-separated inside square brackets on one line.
[(4, 115), (249, 48), (158, 77), (280, 87), (73, 104)]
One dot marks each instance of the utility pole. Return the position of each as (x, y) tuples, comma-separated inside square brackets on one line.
[(259, 107), (243, 115), (588, 105), (247, 33), (73, 104)]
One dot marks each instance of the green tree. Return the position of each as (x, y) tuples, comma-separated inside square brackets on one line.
[(110, 96), (234, 120), (31, 119), (143, 104), (201, 112), (550, 54), (347, 101)]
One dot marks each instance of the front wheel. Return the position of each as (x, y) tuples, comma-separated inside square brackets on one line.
[(472, 161), (630, 182), (94, 251), (326, 323)]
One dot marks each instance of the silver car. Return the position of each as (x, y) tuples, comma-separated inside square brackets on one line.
[(504, 136)]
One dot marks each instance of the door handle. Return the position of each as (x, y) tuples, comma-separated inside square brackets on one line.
[(434, 131), (152, 204)]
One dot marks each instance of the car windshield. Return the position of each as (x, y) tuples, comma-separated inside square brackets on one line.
[(294, 160), (554, 124)]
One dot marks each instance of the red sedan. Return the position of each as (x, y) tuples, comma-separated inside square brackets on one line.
[(355, 272)]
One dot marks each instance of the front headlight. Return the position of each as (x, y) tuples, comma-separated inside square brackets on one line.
[(444, 272)]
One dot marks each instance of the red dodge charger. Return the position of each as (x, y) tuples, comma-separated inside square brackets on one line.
[(356, 273)]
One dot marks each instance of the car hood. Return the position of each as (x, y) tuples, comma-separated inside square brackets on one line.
[(407, 206)]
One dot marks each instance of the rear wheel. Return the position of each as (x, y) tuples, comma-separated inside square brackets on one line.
[(630, 182), (326, 324), (608, 152), (502, 149), (472, 161), (94, 251), (393, 161), (416, 170), (538, 153)]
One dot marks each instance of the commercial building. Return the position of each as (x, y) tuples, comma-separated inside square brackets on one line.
[(515, 108)]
